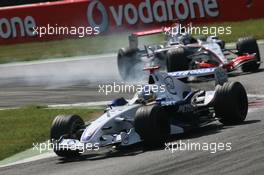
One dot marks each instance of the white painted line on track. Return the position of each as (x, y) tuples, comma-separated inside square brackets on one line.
[(255, 95), (89, 104), (2, 109), (58, 60), (31, 159)]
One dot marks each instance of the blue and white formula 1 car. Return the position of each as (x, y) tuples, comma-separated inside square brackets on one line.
[(167, 107)]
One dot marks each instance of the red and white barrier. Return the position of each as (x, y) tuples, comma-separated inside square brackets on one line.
[(16, 23)]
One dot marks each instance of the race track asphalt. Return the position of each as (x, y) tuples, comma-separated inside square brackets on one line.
[(247, 140)]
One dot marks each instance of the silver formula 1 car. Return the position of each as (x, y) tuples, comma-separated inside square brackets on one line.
[(181, 51), (166, 107)]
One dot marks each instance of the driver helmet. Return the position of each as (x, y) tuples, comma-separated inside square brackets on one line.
[(147, 94)]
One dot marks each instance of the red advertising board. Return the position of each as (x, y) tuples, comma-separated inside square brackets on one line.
[(20, 23)]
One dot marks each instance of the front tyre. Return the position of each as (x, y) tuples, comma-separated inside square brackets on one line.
[(177, 60), (152, 124), (249, 45), (127, 61), (68, 127), (231, 103)]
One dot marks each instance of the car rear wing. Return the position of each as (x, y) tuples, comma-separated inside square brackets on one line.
[(133, 38), (219, 74)]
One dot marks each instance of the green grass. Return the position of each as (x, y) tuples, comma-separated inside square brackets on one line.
[(20, 128), (105, 44)]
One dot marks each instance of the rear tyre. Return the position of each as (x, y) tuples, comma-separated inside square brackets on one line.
[(67, 126), (231, 103), (126, 61), (177, 60), (249, 45), (152, 124)]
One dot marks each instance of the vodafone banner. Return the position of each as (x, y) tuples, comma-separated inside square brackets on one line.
[(22, 23)]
